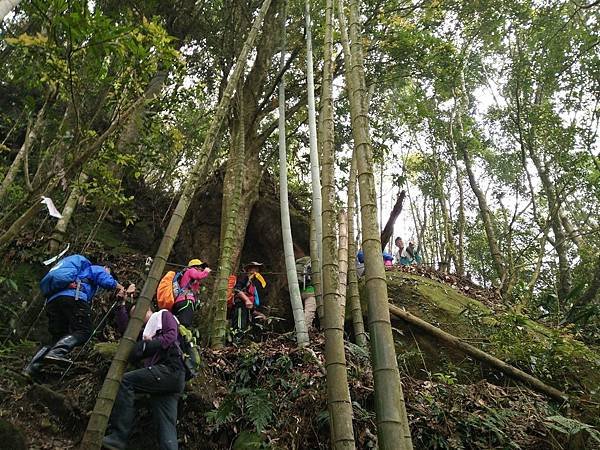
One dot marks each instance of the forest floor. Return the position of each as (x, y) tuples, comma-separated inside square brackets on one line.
[(272, 395), (263, 392)]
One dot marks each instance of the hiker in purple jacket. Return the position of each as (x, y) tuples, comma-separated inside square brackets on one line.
[(162, 377)]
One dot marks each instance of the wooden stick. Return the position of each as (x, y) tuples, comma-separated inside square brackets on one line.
[(454, 342)]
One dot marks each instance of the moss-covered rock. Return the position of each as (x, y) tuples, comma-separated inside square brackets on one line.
[(552, 355)]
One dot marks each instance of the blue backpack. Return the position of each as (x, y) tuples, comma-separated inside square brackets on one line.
[(68, 270)]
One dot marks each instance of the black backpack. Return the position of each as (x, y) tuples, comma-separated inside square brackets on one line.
[(304, 271)]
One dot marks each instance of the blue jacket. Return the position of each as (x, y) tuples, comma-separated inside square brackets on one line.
[(92, 278)]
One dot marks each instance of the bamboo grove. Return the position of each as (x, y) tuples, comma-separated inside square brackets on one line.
[(483, 116)]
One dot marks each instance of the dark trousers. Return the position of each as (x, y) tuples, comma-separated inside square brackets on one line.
[(184, 311), (67, 316), (164, 385)]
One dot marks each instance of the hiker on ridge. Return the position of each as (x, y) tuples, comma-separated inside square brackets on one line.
[(187, 300), (399, 243), (162, 377), (69, 288), (409, 255)]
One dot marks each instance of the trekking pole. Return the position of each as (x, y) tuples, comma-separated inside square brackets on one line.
[(89, 339)]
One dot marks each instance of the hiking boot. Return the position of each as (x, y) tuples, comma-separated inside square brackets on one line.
[(58, 353), (32, 369), (111, 443)]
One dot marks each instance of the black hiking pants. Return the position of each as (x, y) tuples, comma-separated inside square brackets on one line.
[(67, 316), (165, 386), (184, 311)]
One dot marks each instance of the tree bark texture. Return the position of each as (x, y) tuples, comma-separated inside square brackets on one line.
[(392, 421), (99, 418), (388, 229)]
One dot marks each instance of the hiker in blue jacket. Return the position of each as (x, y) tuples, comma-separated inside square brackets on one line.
[(69, 315)]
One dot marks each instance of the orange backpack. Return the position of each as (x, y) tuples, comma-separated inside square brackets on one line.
[(230, 285), (165, 295)]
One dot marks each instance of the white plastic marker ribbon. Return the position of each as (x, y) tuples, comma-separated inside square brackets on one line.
[(51, 208), (54, 258)]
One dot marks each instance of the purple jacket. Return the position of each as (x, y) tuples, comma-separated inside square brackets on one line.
[(159, 343)]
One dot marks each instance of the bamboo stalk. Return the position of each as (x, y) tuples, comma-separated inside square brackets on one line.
[(314, 165), (392, 421), (286, 227), (338, 393)]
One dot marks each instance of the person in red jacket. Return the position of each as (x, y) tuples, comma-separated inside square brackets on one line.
[(186, 301)]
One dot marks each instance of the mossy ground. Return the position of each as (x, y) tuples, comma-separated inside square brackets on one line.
[(549, 354)]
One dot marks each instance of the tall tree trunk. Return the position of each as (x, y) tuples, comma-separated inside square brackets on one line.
[(486, 218), (236, 160), (388, 230), (485, 213), (354, 297), (99, 418), (343, 260), (30, 136), (338, 393), (60, 230), (314, 164), (392, 421), (560, 237), (461, 220), (286, 228), (578, 309), (7, 6)]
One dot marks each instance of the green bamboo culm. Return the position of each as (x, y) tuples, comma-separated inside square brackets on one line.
[(338, 394), (236, 159), (392, 422), (286, 229), (316, 257), (358, 324), (92, 439)]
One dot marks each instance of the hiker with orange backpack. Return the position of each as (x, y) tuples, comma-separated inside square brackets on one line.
[(245, 289), (177, 292), (186, 298)]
